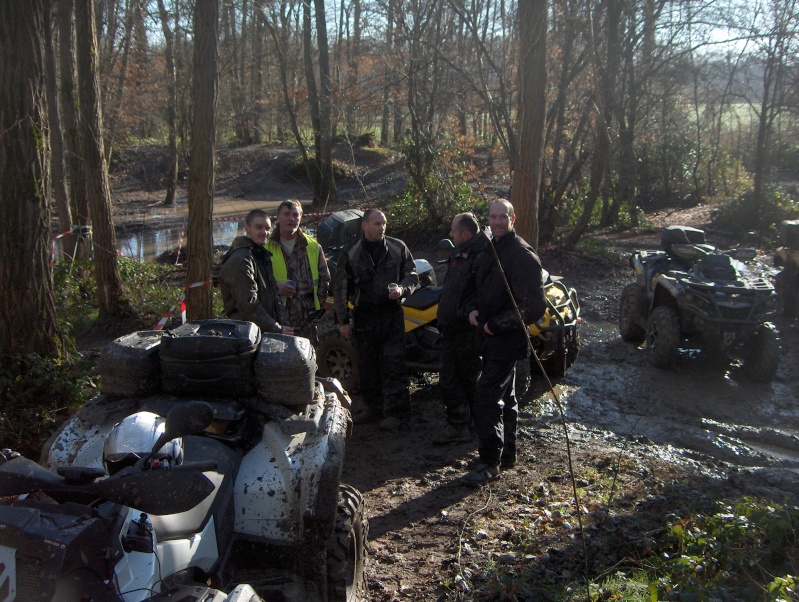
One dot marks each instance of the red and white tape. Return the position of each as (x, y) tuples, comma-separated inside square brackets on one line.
[(181, 303), (52, 246)]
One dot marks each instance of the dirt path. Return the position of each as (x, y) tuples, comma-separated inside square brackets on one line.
[(645, 444), (434, 537)]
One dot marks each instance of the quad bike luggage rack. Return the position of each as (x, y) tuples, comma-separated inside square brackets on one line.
[(558, 311)]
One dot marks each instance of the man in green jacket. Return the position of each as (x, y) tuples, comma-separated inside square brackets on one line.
[(249, 291), (300, 269)]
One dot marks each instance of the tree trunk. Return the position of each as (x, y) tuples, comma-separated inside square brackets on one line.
[(201, 162), (327, 187), (172, 103), (532, 112), (28, 321), (281, 41), (59, 182), (95, 173), (313, 98), (78, 200)]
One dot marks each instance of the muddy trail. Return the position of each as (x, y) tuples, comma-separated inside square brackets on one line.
[(644, 445), (671, 438)]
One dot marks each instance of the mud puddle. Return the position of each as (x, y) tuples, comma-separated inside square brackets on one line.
[(699, 408)]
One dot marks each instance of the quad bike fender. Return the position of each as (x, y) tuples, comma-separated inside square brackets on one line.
[(665, 290), (281, 489), (79, 440)]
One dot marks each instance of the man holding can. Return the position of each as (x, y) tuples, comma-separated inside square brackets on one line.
[(374, 273)]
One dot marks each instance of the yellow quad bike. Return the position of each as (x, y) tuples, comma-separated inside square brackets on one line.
[(555, 337)]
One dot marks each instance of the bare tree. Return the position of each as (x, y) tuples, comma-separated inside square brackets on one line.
[(59, 181), (78, 200), (532, 111), (27, 306), (172, 104), (202, 159), (95, 172)]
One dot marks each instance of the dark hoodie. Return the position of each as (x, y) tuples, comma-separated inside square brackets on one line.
[(460, 288), (249, 290)]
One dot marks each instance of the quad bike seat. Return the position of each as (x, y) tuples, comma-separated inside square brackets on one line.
[(183, 524), (423, 298)]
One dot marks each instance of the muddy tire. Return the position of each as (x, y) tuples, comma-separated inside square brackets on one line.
[(558, 364), (336, 357), (663, 336), (346, 554), (629, 312), (763, 357)]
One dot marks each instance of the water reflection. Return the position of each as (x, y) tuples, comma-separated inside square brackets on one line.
[(150, 244)]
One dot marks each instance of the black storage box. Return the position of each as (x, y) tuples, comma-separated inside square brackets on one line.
[(789, 233), (210, 357), (680, 235), (285, 368), (129, 366)]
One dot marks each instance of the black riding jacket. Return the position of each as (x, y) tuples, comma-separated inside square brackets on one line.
[(458, 293)]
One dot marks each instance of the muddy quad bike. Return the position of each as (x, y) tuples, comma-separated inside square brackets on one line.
[(71, 537), (691, 294), (555, 338), (278, 517)]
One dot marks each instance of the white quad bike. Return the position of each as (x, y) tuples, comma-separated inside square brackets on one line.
[(253, 497)]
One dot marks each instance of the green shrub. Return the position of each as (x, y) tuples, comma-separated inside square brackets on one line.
[(37, 394), (746, 547), (446, 192), (741, 215)]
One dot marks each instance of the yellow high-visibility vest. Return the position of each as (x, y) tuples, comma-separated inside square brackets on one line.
[(280, 270)]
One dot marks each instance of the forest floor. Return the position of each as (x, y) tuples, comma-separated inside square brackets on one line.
[(643, 445)]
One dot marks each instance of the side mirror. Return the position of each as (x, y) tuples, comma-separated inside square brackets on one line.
[(184, 419)]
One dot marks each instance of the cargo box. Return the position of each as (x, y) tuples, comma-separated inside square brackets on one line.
[(210, 358), (130, 367), (789, 233), (285, 367), (680, 235)]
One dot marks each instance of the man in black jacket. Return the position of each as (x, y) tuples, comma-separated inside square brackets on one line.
[(510, 267), (460, 364), (374, 273)]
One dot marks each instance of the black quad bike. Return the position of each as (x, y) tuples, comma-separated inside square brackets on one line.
[(692, 294)]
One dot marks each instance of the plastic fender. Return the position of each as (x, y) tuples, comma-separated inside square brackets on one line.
[(78, 443), (241, 593), (200, 550), (136, 572), (414, 318), (277, 479), (79, 440)]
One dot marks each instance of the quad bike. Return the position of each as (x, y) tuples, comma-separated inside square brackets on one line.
[(555, 337), (271, 511), (691, 293), (787, 281)]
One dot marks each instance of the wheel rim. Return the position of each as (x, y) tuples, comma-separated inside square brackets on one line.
[(652, 337), (339, 363)]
